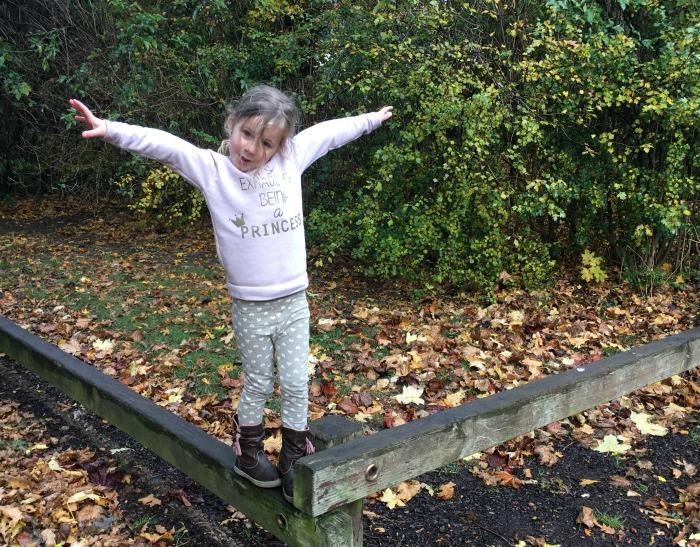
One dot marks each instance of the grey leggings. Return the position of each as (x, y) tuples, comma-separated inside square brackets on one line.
[(269, 331)]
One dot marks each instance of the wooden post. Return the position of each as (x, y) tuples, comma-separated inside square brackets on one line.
[(325, 433)]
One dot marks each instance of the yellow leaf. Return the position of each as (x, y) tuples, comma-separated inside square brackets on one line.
[(661, 479), (410, 338), (85, 495), (641, 420), (410, 394), (174, 395), (587, 482), (454, 399), (611, 444), (37, 447), (391, 499), (105, 346), (361, 416)]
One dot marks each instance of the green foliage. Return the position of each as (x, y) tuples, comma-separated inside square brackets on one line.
[(524, 132), (164, 194), (591, 269)]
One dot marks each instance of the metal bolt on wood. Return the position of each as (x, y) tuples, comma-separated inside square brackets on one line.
[(282, 521), (372, 473)]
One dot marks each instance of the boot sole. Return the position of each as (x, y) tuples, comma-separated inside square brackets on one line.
[(262, 484)]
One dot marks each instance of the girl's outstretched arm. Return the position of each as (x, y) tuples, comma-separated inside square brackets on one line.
[(317, 140), (386, 113), (98, 127)]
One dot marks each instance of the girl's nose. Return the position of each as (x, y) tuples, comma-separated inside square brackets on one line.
[(250, 146)]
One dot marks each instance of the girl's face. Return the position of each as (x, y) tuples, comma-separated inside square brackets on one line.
[(253, 144)]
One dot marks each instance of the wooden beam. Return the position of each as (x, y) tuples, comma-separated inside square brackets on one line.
[(345, 473), (204, 458)]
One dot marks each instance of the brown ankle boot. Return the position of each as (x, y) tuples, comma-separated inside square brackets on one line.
[(295, 444), (251, 461)]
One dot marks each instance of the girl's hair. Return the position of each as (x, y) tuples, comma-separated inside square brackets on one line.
[(270, 104)]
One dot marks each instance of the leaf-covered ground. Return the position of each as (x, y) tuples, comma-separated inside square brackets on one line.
[(149, 307)]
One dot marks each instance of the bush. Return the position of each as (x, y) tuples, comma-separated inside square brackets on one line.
[(524, 132)]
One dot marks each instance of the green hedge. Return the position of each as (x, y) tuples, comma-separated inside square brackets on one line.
[(524, 132)]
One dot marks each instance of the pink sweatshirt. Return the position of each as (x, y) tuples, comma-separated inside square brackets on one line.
[(257, 216)]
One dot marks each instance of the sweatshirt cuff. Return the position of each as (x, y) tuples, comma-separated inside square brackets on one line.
[(375, 120)]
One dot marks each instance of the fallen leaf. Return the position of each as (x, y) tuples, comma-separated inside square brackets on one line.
[(407, 490), (454, 399), (105, 346), (273, 445), (391, 500), (547, 456), (446, 491), (410, 394), (72, 346), (150, 501), (611, 444), (88, 513), (347, 406), (587, 482), (586, 517), (645, 427)]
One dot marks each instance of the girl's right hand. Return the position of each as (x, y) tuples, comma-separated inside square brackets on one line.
[(98, 127)]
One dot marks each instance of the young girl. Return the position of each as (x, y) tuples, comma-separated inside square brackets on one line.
[(253, 191)]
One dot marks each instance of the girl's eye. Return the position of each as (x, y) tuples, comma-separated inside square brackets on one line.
[(246, 133), (267, 145)]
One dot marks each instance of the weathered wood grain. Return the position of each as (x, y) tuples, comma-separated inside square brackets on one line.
[(204, 458), (337, 476)]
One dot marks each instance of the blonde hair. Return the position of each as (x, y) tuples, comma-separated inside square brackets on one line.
[(270, 104)]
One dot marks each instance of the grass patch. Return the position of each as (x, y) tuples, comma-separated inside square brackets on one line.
[(454, 468), (202, 365), (19, 445), (695, 435), (274, 403), (330, 341), (139, 523), (613, 521)]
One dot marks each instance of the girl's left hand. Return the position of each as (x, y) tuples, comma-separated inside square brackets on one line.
[(386, 113)]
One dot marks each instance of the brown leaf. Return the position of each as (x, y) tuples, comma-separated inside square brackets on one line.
[(618, 480), (407, 490), (383, 338), (89, 513), (82, 322), (347, 406), (446, 491), (389, 419), (363, 398), (149, 500), (547, 456), (328, 389), (314, 389), (586, 517)]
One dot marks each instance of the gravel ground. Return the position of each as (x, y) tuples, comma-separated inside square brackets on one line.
[(542, 511)]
